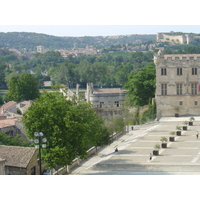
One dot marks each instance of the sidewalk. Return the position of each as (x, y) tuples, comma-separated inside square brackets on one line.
[(181, 156)]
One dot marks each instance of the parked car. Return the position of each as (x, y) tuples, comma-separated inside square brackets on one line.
[(47, 172)]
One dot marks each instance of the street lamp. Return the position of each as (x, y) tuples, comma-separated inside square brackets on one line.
[(40, 142)]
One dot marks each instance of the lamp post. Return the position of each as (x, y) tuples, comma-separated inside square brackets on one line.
[(40, 142)]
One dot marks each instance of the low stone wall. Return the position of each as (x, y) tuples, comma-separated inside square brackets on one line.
[(77, 161)]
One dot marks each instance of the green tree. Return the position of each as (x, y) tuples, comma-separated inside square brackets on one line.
[(13, 90), (141, 85), (24, 87), (1, 99), (70, 127), (2, 73), (18, 140)]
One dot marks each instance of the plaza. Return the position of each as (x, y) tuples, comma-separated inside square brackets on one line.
[(181, 157)]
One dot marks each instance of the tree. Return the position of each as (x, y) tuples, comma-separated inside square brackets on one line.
[(141, 85), (2, 73), (70, 127), (1, 99), (24, 87), (18, 140)]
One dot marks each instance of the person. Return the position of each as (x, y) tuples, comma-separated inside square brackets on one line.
[(150, 158), (116, 150), (197, 134)]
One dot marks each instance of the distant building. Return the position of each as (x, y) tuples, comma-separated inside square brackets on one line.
[(40, 49), (67, 93), (175, 38), (107, 99)]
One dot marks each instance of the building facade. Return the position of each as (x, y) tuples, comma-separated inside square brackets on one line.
[(2, 166), (177, 84), (173, 38), (104, 97), (107, 101), (19, 160)]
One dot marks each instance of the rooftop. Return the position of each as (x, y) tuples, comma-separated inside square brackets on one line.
[(7, 122), (108, 91), (16, 156)]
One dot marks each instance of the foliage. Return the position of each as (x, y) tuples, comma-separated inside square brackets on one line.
[(172, 133), (20, 40), (18, 140), (24, 87), (192, 119), (185, 123), (148, 115), (1, 99), (141, 85), (163, 139), (178, 128), (70, 127), (157, 146), (115, 123)]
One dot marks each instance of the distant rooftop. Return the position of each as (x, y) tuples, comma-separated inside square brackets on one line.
[(107, 91)]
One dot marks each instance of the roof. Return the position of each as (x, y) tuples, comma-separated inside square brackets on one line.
[(107, 91), (47, 83), (7, 122), (6, 106), (16, 156)]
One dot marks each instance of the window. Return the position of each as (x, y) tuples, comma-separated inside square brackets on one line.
[(179, 88), (179, 71), (164, 89), (194, 88), (117, 103), (163, 71), (33, 170), (194, 71), (101, 104)]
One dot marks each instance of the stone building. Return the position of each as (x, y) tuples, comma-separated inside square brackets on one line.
[(19, 160), (10, 107), (173, 38), (40, 49), (2, 166), (177, 84), (108, 101)]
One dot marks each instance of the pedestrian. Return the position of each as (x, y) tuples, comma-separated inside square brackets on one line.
[(116, 150), (197, 134), (150, 158)]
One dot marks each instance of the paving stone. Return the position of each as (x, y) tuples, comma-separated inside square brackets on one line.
[(180, 157)]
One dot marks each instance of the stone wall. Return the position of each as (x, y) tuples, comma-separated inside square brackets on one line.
[(178, 39), (2, 166), (33, 163), (185, 103)]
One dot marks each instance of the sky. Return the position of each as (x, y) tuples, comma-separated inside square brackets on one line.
[(98, 18), (98, 30)]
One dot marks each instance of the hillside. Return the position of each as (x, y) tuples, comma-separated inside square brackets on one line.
[(21, 40)]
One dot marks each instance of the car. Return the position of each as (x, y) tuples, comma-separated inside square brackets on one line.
[(46, 172)]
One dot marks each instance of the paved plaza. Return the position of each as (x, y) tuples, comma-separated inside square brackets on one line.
[(180, 157)]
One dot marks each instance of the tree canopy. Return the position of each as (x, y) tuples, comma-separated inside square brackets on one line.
[(70, 127), (141, 85), (24, 87)]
